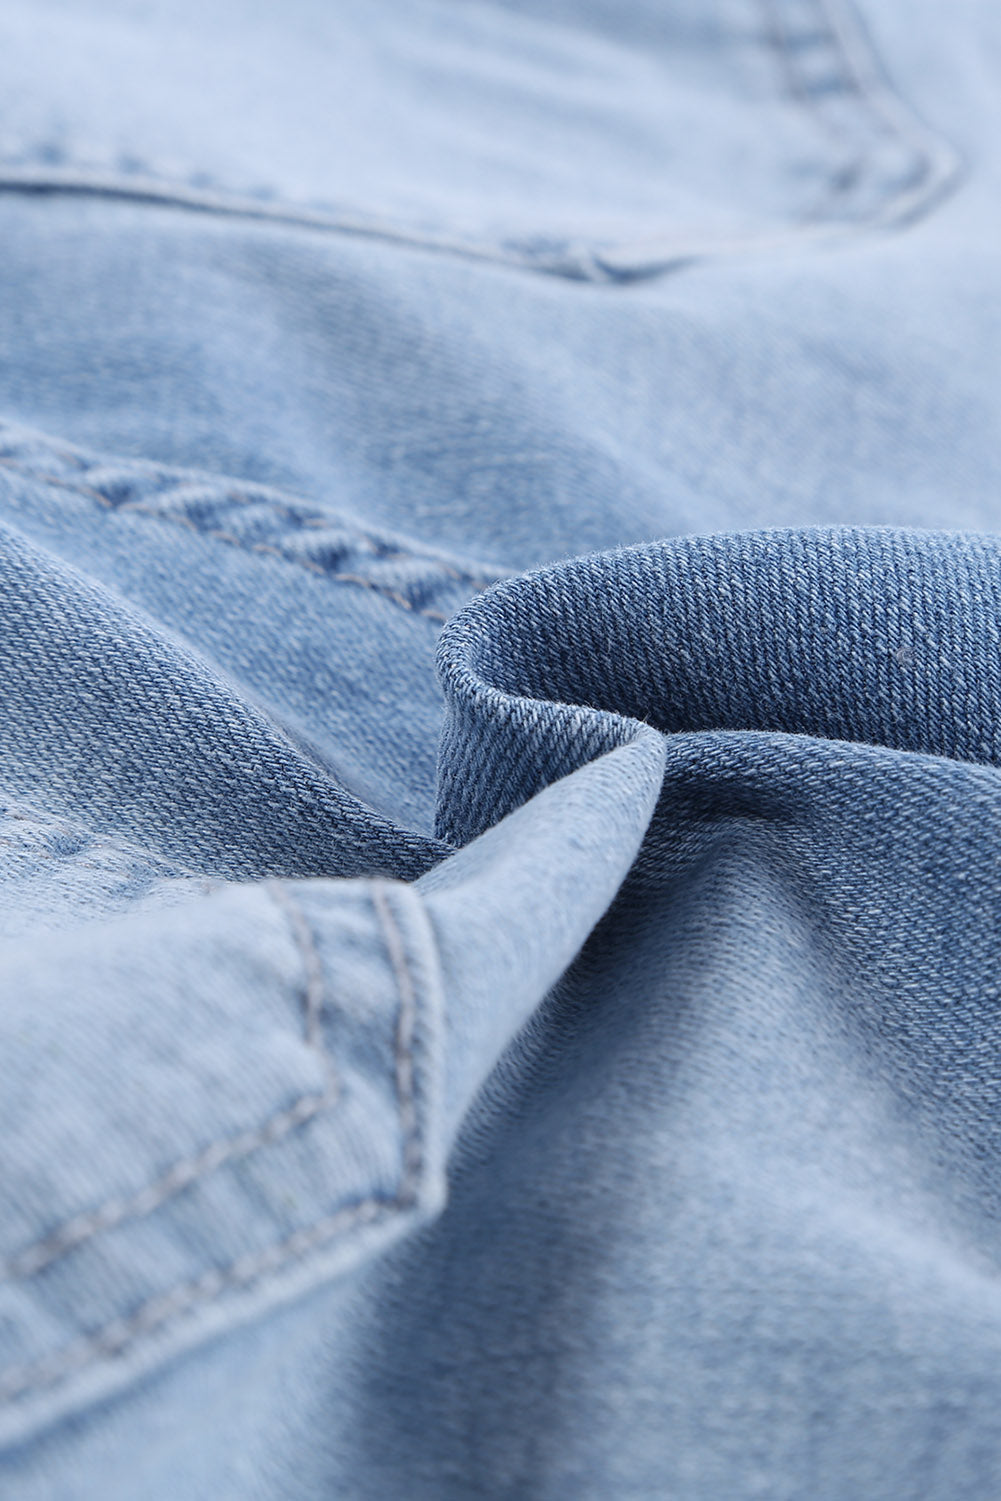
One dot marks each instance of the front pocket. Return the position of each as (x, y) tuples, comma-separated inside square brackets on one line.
[(603, 146)]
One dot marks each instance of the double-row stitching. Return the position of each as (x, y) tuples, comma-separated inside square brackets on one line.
[(299, 512), (116, 1211), (117, 1336), (230, 539), (406, 990), (936, 163)]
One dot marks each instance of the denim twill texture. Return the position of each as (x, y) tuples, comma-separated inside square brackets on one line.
[(500, 687)]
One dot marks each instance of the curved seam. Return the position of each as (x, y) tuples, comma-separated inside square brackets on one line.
[(116, 1336), (875, 103), (580, 256), (237, 206), (939, 161), (806, 96)]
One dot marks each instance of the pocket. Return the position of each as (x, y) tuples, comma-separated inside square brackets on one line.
[(600, 145), (205, 1113)]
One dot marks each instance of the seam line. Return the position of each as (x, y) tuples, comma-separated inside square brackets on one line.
[(114, 1338), (582, 255), (404, 1042), (939, 161), (210, 488), (877, 108), (356, 580), (936, 161), (120, 1209)]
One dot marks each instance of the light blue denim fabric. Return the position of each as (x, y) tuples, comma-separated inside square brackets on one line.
[(500, 808)]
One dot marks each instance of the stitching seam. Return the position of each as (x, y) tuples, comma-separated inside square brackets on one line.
[(136, 507), (115, 1337), (580, 255), (938, 162), (783, 33), (208, 488), (879, 110), (116, 1211)]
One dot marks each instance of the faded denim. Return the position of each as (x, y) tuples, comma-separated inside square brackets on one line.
[(500, 611)]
